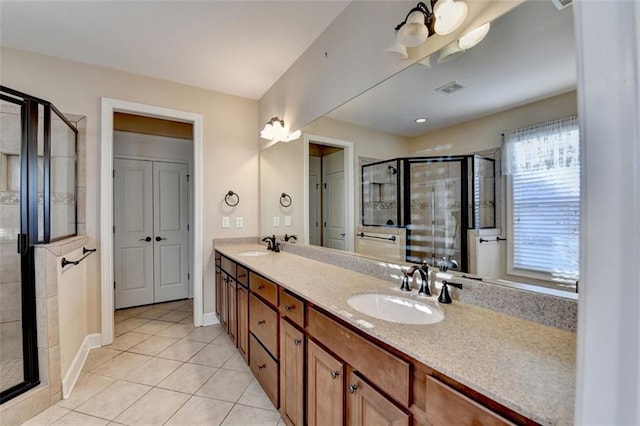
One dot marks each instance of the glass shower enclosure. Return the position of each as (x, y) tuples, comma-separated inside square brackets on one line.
[(436, 199), (37, 206)]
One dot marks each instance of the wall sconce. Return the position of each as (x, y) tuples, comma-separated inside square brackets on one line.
[(275, 131), (440, 17)]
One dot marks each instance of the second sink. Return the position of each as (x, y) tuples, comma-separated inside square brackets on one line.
[(253, 253), (395, 309)]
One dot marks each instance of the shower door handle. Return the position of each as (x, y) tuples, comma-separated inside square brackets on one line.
[(22, 243)]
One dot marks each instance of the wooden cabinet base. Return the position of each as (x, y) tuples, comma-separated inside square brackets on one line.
[(265, 369), (368, 407)]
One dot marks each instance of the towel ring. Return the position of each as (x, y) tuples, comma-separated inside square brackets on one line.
[(285, 200), (228, 199)]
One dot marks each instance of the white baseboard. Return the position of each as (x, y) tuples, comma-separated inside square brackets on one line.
[(68, 382), (210, 318)]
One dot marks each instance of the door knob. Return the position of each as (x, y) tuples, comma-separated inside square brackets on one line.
[(342, 235), (160, 238), (145, 239)]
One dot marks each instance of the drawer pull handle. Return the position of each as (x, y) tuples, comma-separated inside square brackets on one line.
[(260, 322), (335, 374), (261, 366), (353, 388), (289, 308), (297, 342), (261, 287)]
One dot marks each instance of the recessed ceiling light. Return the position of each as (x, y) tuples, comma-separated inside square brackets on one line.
[(420, 120)]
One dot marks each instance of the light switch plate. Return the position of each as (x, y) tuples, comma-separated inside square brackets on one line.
[(276, 221), (287, 221), (239, 222), (225, 221)]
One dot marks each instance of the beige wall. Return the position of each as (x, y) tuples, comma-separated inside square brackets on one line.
[(230, 127)]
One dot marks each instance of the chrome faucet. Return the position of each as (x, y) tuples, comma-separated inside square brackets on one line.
[(272, 244), (288, 238), (444, 293), (423, 269), (445, 264)]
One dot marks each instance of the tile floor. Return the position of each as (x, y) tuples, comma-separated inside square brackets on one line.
[(161, 370)]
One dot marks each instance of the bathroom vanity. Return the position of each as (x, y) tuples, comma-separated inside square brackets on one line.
[(322, 362)]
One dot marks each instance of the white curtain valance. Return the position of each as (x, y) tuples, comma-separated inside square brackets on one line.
[(553, 145)]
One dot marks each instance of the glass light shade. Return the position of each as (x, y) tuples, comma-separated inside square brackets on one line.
[(267, 132), (293, 136), (449, 15), (398, 48), (414, 32), (450, 52), (474, 37)]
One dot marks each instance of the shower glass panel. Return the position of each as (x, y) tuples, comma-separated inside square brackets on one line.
[(11, 360), (484, 190), (63, 179), (381, 191), (436, 210)]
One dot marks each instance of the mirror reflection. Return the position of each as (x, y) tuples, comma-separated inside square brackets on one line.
[(411, 169)]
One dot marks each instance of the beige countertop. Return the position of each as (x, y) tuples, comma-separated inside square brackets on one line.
[(523, 365)]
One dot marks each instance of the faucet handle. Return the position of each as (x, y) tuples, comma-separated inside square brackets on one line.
[(444, 293), (405, 286)]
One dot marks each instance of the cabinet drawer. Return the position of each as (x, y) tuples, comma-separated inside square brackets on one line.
[(446, 406), (291, 307), (229, 266), (264, 288), (242, 275), (217, 258), (264, 324), (382, 368), (265, 369)]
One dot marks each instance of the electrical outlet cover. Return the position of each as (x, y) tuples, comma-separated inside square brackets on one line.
[(287, 221), (239, 222), (276, 221), (225, 221)]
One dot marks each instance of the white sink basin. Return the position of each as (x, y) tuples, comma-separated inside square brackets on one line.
[(395, 309), (253, 253)]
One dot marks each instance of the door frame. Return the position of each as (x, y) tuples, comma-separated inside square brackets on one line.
[(109, 106), (349, 181)]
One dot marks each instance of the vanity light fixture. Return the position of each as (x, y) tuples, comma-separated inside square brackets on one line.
[(474, 37), (274, 130), (449, 15), (420, 120)]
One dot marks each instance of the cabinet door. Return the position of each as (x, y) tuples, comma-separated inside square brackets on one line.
[(291, 373), (325, 387), (224, 301), (232, 328), (219, 283), (243, 322), (366, 406)]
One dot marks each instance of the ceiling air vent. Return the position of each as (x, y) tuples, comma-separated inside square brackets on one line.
[(561, 4), (449, 88)]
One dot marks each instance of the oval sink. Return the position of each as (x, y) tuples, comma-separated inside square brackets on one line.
[(253, 253), (395, 309)]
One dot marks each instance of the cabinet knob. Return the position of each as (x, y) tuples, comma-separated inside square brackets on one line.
[(297, 342), (353, 388), (261, 366), (335, 374), (289, 308), (261, 287), (261, 322)]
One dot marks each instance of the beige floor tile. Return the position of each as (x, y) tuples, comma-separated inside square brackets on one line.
[(128, 325), (127, 340), (153, 345), (120, 366), (47, 417), (182, 350), (201, 411), (154, 408), (153, 371), (112, 401), (177, 330), (79, 419), (187, 320), (242, 415), (188, 378), (226, 385), (223, 340), (153, 327), (205, 334), (254, 396), (213, 355), (86, 386), (236, 362), (174, 306), (132, 312), (153, 313), (98, 356), (174, 316), (187, 307), (117, 317)]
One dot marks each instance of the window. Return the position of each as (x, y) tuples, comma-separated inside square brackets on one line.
[(543, 201)]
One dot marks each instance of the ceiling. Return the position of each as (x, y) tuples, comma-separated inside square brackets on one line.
[(236, 47), (529, 54)]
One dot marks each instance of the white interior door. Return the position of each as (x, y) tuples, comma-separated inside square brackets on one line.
[(333, 215), (133, 229), (315, 201), (171, 264)]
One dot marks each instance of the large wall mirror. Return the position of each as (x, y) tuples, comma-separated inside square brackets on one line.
[(372, 179)]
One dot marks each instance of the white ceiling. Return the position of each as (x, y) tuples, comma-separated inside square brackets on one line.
[(529, 54), (237, 47)]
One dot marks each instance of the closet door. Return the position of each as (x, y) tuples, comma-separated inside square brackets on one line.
[(171, 219), (133, 220)]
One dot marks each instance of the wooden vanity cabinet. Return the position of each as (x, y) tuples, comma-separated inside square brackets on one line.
[(218, 285), (242, 296), (366, 406), (232, 328), (325, 387), (292, 351)]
